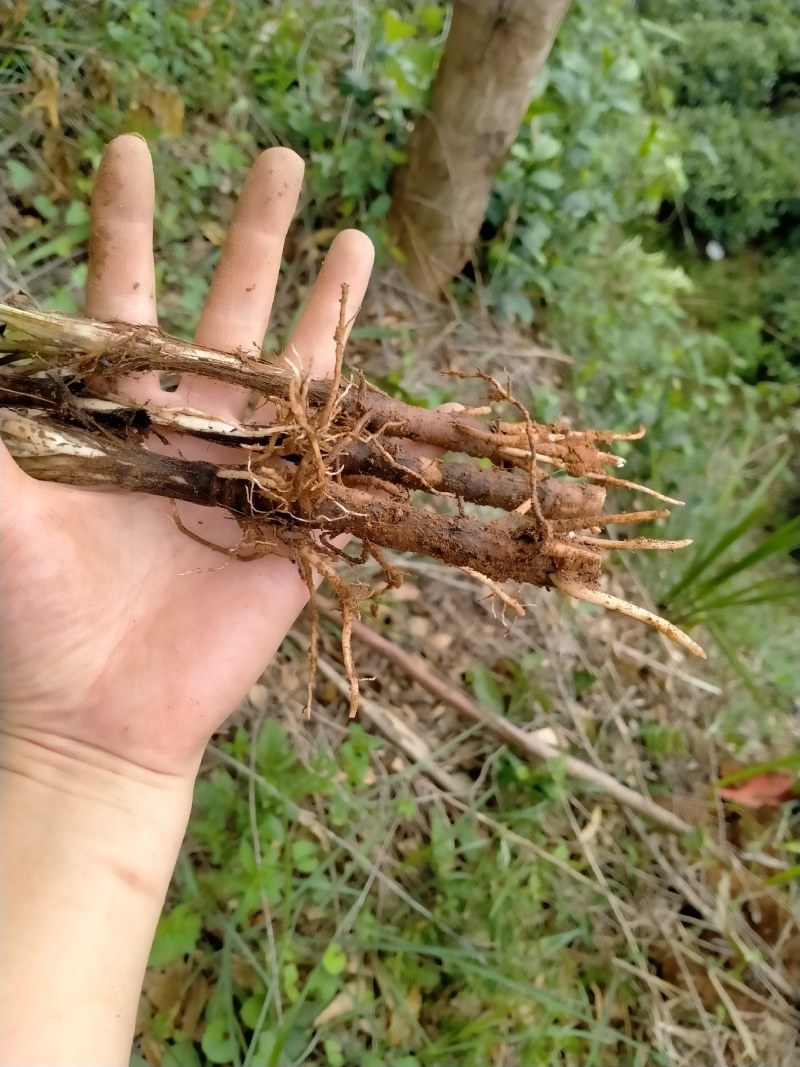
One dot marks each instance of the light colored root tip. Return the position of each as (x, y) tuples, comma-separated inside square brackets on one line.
[(649, 544), (631, 435), (623, 483), (308, 577), (624, 517), (633, 611), (503, 595), (349, 666)]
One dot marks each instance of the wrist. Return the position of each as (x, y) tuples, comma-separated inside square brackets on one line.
[(85, 781), (88, 848)]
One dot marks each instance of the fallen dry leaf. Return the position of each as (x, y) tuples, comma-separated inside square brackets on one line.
[(342, 1004), (152, 1050), (44, 80), (164, 988), (767, 790), (193, 1007), (403, 1018), (167, 108)]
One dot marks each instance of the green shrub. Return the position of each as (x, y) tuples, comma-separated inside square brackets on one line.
[(742, 171), (589, 154), (709, 62), (727, 73), (743, 52)]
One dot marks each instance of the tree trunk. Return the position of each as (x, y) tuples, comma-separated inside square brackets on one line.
[(493, 52)]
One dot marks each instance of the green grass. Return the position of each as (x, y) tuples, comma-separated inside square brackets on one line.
[(496, 949)]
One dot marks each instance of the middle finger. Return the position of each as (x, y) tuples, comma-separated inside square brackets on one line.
[(239, 302)]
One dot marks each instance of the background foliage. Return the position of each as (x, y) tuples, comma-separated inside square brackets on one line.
[(662, 136)]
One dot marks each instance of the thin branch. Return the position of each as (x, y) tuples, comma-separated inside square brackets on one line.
[(419, 671)]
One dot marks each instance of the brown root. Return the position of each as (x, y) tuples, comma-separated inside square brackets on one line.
[(336, 460)]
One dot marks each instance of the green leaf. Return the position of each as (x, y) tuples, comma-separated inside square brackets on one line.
[(443, 849), (305, 856), (546, 179), (355, 751), (516, 306), (431, 16), (290, 979), (20, 177), (265, 1048), (782, 541), (785, 876), (534, 236), (582, 680), (545, 147), (487, 689), (395, 29), (333, 1052), (767, 591), (65, 245), (226, 154), (250, 1011), (780, 763), (176, 936), (752, 513), (77, 214), (406, 807), (181, 1054), (379, 206), (273, 750), (626, 69), (46, 208), (217, 1042), (334, 959)]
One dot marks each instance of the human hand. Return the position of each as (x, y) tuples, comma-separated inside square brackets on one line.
[(123, 639)]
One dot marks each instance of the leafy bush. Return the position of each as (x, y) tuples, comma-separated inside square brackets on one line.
[(743, 52), (742, 170), (707, 62), (589, 154), (727, 73), (752, 301), (779, 299)]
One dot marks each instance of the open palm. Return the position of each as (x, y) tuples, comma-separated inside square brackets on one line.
[(121, 635)]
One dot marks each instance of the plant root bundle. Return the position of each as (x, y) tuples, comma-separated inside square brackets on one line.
[(339, 457)]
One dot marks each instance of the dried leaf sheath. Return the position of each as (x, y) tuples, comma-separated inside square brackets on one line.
[(333, 444)]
